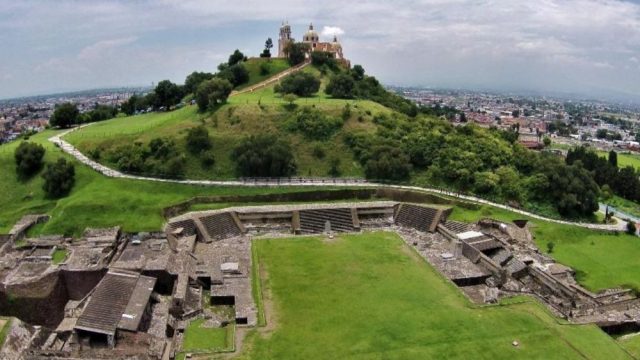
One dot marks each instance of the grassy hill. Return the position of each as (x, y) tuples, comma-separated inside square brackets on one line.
[(95, 200), (261, 111)]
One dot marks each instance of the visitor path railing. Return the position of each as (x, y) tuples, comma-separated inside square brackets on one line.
[(317, 182)]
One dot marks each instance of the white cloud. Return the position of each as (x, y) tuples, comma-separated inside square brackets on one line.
[(501, 43), (99, 48), (331, 31)]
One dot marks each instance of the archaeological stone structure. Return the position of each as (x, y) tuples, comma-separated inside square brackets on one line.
[(115, 295)]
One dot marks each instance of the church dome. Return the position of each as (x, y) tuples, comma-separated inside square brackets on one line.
[(311, 35)]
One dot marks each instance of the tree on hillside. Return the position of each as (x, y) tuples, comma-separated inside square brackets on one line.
[(264, 156), (340, 86), (324, 59), (168, 94), (387, 163), (266, 53), (59, 178), (198, 140), (212, 93), (194, 79), (300, 83), (613, 158), (357, 72), (64, 115), (28, 158), (296, 52), (236, 74), (235, 58), (546, 141)]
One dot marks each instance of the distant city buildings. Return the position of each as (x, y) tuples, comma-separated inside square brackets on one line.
[(574, 122), (31, 114)]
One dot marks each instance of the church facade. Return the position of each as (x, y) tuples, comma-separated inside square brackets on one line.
[(311, 38)]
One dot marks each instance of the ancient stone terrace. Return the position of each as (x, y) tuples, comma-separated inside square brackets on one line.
[(338, 220), (419, 217), (300, 218)]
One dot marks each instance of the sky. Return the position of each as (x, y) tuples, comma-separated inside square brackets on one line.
[(589, 47)]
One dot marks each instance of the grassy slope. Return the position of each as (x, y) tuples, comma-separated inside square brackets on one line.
[(632, 345), (366, 296), (253, 67), (624, 205), (603, 259), (245, 114), (95, 200)]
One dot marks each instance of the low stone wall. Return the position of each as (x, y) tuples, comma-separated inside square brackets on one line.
[(316, 195), (40, 302)]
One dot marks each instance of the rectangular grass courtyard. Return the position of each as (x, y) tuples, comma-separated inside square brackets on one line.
[(369, 296)]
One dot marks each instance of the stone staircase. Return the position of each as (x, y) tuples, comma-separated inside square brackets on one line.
[(220, 226), (313, 221)]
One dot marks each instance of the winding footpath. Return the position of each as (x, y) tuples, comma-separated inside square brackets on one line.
[(106, 171)]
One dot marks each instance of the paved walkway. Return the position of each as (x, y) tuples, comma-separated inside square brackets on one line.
[(71, 150)]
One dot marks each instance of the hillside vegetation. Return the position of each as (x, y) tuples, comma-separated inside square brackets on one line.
[(339, 131)]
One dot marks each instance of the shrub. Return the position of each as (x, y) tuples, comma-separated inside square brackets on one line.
[(129, 158), (334, 167), (313, 124), (162, 148), (318, 152), (212, 93), (346, 112), (340, 86), (59, 178), (28, 158), (550, 246), (207, 159), (264, 156), (264, 69), (631, 228), (387, 163), (236, 74), (198, 140), (300, 83)]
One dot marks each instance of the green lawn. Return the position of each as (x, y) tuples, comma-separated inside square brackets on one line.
[(624, 159), (632, 345), (603, 260), (96, 200), (370, 297), (199, 338), (275, 66), (59, 256)]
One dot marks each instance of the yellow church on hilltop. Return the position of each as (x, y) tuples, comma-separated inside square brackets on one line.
[(311, 38)]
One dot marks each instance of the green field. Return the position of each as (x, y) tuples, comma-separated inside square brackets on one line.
[(624, 159), (369, 296), (632, 345), (198, 338), (603, 260), (59, 256), (96, 200)]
